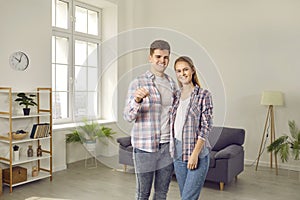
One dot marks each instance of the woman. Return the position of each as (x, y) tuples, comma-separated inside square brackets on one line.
[(191, 121)]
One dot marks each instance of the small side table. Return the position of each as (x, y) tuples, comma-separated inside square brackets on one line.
[(90, 154)]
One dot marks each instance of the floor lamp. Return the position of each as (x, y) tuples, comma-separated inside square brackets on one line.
[(270, 99)]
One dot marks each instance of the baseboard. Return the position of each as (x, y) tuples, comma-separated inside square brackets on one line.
[(287, 166), (60, 168)]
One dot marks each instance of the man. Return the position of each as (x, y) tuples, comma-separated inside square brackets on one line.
[(149, 100)]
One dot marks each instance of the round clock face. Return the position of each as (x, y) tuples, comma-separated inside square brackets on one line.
[(19, 61)]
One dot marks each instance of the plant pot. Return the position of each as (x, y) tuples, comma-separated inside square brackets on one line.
[(90, 145), (16, 155), (26, 111)]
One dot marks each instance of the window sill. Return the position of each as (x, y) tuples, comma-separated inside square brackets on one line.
[(59, 127)]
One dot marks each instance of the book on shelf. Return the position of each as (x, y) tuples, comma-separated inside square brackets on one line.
[(40, 130)]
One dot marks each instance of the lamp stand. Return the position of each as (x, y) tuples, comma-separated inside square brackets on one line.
[(269, 121)]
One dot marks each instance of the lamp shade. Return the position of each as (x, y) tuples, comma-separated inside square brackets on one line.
[(274, 98)]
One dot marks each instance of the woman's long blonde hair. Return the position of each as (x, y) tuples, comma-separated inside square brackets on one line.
[(189, 61)]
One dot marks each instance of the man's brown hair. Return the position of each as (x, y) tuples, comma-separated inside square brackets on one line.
[(159, 44)]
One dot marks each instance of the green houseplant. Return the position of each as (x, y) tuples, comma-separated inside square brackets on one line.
[(26, 100), (286, 144), (89, 132)]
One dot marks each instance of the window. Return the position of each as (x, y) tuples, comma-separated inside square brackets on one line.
[(76, 61)]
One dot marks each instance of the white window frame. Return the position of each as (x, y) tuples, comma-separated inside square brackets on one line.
[(72, 35)]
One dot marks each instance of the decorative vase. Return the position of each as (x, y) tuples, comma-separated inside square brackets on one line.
[(26, 111), (16, 155), (35, 171), (30, 151), (39, 151)]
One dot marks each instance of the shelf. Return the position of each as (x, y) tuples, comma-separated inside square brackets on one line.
[(41, 175), (42, 114), (24, 140), (6, 116), (26, 159)]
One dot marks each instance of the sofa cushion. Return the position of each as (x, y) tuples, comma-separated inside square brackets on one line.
[(229, 152), (221, 137), (214, 135)]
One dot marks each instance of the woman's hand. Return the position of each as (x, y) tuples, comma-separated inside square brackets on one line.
[(193, 161)]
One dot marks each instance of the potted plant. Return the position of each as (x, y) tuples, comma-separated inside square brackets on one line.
[(89, 133), (284, 144), (27, 101), (16, 152)]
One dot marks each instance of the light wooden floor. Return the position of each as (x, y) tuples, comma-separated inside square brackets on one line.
[(103, 183)]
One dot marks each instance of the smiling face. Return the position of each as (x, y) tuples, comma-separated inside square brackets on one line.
[(184, 73), (159, 61)]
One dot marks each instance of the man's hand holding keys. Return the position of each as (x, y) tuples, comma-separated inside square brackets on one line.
[(140, 93)]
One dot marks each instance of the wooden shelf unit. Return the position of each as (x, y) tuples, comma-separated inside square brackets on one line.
[(6, 138)]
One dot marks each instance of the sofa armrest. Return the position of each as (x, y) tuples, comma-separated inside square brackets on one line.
[(229, 152), (124, 141)]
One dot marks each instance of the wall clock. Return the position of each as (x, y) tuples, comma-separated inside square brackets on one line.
[(19, 61)]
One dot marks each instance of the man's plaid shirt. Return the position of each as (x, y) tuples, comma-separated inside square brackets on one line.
[(145, 134)]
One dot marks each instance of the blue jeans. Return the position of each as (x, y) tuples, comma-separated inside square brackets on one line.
[(157, 166), (190, 181)]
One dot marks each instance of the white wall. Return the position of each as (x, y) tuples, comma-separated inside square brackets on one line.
[(26, 26)]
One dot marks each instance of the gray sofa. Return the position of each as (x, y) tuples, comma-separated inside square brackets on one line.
[(226, 157), (125, 151), (227, 154)]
